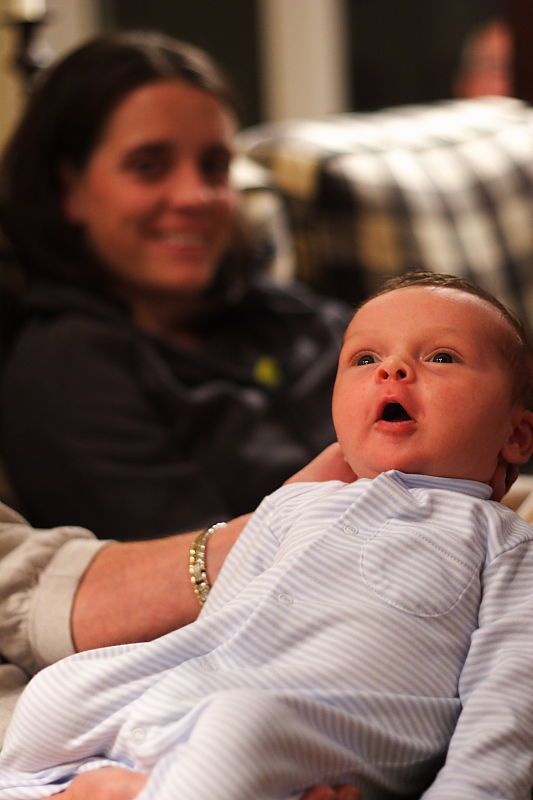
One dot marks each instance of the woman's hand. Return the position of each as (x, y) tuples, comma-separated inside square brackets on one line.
[(344, 792), (110, 783), (329, 465), (503, 478), (115, 783)]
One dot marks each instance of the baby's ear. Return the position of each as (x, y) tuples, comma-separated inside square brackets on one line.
[(519, 447)]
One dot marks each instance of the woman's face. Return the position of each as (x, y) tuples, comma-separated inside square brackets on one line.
[(154, 198)]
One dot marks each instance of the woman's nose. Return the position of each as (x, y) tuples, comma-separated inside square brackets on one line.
[(395, 368), (188, 188)]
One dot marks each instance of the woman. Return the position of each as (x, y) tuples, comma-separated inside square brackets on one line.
[(158, 381)]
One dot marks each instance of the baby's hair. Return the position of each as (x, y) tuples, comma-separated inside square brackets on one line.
[(516, 347)]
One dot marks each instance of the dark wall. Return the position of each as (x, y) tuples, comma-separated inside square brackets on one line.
[(520, 13), (400, 51), (227, 29), (405, 51)]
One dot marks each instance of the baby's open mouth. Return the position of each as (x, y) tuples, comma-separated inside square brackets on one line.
[(395, 412)]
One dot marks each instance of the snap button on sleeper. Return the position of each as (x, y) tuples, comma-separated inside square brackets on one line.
[(138, 735), (285, 599), (352, 529)]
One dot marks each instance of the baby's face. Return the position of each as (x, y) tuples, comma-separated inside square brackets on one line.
[(423, 387)]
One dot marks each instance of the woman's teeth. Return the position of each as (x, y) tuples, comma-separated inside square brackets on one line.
[(186, 239)]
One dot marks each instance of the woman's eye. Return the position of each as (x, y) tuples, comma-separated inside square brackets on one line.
[(149, 168), (148, 163), (216, 167), (443, 358), (362, 361)]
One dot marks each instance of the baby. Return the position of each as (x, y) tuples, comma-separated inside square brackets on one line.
[(378, 632)]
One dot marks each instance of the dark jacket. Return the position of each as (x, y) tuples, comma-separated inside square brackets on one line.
[(108, 427)]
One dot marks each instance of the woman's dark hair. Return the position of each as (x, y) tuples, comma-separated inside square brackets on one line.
[(66, 115)]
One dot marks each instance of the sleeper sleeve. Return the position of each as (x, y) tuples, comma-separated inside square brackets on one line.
[(490, 754)]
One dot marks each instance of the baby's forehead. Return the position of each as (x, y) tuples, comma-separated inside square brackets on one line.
[(434, 307)]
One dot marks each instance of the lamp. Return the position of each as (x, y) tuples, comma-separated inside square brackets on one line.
[(26, 17)]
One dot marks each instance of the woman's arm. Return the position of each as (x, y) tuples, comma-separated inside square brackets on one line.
[(115, 783), (39, 573), (155, 593), (136, 591), (139, 590)]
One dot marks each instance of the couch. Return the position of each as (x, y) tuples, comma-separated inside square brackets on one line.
[(446, 187)]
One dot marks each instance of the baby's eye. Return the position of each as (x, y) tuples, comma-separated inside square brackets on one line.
[(362, 361), (443, 358)]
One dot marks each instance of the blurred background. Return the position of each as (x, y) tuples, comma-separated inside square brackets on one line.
[(287, 57), (393, 133), (378, 135)]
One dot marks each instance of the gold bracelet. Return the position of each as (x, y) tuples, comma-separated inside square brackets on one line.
[(197, 567)]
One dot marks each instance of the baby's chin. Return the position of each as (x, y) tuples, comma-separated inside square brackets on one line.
[(375, 469), (412, 468)]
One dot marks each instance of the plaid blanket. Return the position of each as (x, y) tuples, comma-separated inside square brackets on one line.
[(446, 187), (262, 205)]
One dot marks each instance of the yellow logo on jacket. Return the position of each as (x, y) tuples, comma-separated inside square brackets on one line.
[(267, 372)]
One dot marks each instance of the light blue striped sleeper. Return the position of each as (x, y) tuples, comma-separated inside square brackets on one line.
[(354, 631)]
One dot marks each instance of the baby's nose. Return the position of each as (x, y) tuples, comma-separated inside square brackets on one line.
[(394, 368)]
